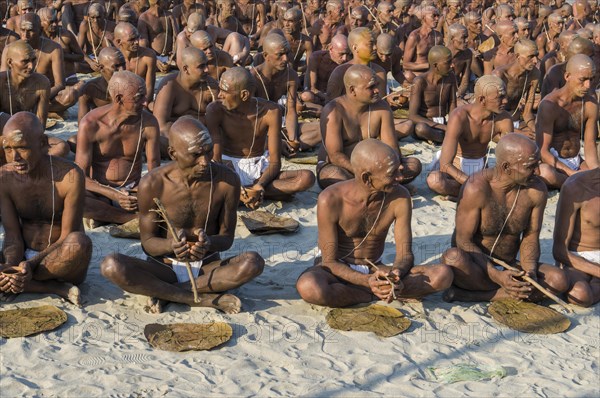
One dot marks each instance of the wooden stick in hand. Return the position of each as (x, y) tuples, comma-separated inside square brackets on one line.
[(541, 288), (385, 276), (162, 212)]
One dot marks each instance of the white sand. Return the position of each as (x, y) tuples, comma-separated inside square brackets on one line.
[(283, 346)]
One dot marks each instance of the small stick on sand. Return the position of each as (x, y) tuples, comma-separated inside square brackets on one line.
[(546, 292), (162, 212), (385, 276)]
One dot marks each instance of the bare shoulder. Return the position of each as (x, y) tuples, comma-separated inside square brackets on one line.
[(381, 107), (153, 181), (147, 53), (537, 190), (66, 173), (333, 107), (149, 119), (49, 46), (331, 199), (376, 67), (477, 189), (38, 81), (225, 176)]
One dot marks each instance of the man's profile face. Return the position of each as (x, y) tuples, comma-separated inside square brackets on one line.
[(580, 81), (29, 31), (367, 92), (279, 57), (208, 49), (134, 98), (230, 97), (23, 63), (198, 69), (365, 48), (474, 26), (291, 24), (358, 19), (431, 18), (112, 65), (556, 24), (18, 150), (50, 23), (386, 13), (385, 55), (459, 40), (386, 177), (510, 37), (96, 15), (340, 55), (525, 167), (444, 66), (529, 58), (227, 8), (193, 158), (495, 99), (26, 7), (336, 14)]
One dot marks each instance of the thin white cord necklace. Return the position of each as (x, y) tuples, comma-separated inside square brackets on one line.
[(136, 151), (53, 201), (505, 221), (370, 230)]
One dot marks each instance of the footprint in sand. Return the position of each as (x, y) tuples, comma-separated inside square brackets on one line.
[(137, 358), (92, 361)]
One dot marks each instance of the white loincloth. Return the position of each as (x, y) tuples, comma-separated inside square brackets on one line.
[(573, 163), (592, 256), (467, 166), (181, 270), (162, 58), (439, 120), (516, 124), (249, 169)]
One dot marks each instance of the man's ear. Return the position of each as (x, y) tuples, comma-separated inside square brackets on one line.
[(365, 177), (185, 69), (119, 98), (172, 153), (245, 95)]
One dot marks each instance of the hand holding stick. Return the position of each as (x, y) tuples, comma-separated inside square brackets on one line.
[(162, 212), (546, 292), (385, 276)]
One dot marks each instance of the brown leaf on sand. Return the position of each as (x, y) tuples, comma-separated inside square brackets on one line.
[(187, 336), (382, 320), (27, 321), (528, 317), (129, 230)]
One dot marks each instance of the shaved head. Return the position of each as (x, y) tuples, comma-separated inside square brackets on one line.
[(96, 9), (579, 45), (125, 83), (191, 55), (385, 43), (124, 29), (504, 27), (195, 21), (19, 47), (555, 18), (108, 54), (565, 38), (525, 47), (237, 79), (273, 43), (24, 125), (504, 11), (357, 74), (438, 53), (46, 13), (456, 29), (372, 156), (580, 62), (357, 35), (488, 85), (32, 19), (544, 11), (293, 14), (514, 147), (187, 134), (472, 17), (339, 42), (201, 38)]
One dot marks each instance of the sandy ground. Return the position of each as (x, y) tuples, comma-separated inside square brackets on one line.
[(283, 346)]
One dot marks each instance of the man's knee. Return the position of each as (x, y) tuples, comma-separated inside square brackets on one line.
[(310, 288), (434, 181), (557, 279), (405, 128), (454, 257), (421, 130), (78, 243), (251, 264), (412, 167), (306, 179), (114, 269), (441, 277), (581, 294)]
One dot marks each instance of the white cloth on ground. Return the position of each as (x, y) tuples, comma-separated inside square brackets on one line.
[(249, 169), (573, 163)]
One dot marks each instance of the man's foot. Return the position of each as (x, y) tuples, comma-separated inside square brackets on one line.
[(228, 303), (6, 297), (155, 305), (71, 293)]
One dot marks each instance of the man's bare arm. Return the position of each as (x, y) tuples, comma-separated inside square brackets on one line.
[(530, 244), (544, 130), (590, 134), (567, 211), (163, 107), (142, 28), (58, 71), (411, 53), (404, 259), (13, 247), (291, 117), (450, 145), (273, 117), (152, 136), (214, 117), (331, 131)]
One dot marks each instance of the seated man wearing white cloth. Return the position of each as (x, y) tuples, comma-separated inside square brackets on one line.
[(577, 236), (354, 218), (242, 127), (200, 198), (471, 127)]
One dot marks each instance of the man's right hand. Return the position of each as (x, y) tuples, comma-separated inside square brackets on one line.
[(126, 201), (379, 286), (180, 247), (517, 289)]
